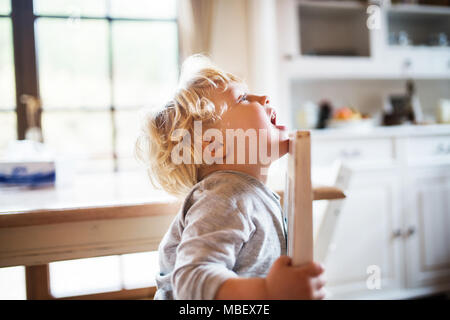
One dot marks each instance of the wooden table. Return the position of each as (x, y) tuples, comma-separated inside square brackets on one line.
[(95, 215)]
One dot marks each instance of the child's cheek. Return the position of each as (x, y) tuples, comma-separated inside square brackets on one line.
[(249, 117)]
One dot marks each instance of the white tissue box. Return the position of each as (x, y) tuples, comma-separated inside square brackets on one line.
[(27, 173)]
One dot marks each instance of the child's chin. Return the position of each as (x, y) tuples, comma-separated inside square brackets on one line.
[(283, 133), (284, 145)]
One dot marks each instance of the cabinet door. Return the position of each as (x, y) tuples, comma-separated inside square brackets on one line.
[(365, 245), (427, 233)]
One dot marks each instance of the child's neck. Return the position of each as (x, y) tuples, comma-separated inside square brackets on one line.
[(253, 170)]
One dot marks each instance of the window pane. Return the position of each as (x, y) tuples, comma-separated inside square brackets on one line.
[(85, 276), (140, 269), (12, 283), (8, 131), (84, 136), (127, 124), (5, 7), (143, 9), (72, 8), (145, 62), (7, 85), (73, 63)]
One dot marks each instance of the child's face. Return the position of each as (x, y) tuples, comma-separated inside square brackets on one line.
[(246, 111)]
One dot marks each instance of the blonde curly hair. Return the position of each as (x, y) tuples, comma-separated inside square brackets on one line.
[(154, 145)]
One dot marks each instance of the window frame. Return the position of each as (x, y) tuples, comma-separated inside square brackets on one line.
[(26, 69)]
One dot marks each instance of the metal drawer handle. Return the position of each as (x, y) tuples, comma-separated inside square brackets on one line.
[(350, 154), (397, 233), (356, 153), (411, 231), (407, 63), (441, 149)]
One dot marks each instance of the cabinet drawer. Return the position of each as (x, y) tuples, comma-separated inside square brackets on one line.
[(420, 149), (367, 151)]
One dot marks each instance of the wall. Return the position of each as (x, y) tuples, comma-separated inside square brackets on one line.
[(242, 40), (229, 48)]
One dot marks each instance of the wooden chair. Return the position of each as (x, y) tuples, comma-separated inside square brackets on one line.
[(299, 195), (328, 225)]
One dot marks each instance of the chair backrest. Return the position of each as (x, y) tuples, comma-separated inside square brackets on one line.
[(299, 195), (327, 228), (299, 198)]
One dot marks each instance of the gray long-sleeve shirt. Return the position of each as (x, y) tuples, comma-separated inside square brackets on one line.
[(230, 225)]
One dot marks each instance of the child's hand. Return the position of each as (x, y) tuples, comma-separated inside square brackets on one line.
[(287, 282)]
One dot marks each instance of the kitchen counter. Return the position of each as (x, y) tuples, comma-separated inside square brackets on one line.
[(383, 131)]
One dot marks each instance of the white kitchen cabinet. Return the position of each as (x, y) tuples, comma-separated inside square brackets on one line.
[(348, 49), (396, 218), (427, 227), (400, 175), (330, 40), (357, 152), (364, 237), (427, 151)]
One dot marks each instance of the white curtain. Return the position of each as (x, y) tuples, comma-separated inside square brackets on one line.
[(195, 26)]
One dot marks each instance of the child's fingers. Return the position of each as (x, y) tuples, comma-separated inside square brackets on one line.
[(283, 261), (319, 282), (314, 269), (319, 294)]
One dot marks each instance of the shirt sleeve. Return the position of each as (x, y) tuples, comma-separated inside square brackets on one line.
[(214, 232)]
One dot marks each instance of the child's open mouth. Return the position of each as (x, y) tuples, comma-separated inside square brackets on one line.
[(273, 120)]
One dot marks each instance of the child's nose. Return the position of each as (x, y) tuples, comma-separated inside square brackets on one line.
[(264, 100)]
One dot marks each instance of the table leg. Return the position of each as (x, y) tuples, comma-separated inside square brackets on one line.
[(38, 282)]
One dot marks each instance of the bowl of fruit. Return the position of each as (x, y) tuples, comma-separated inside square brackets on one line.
[(349, 118)]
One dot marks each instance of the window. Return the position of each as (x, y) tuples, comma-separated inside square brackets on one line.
[(8, 119), (93, 64), (103, 274), (12, 283), (97, 63)]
